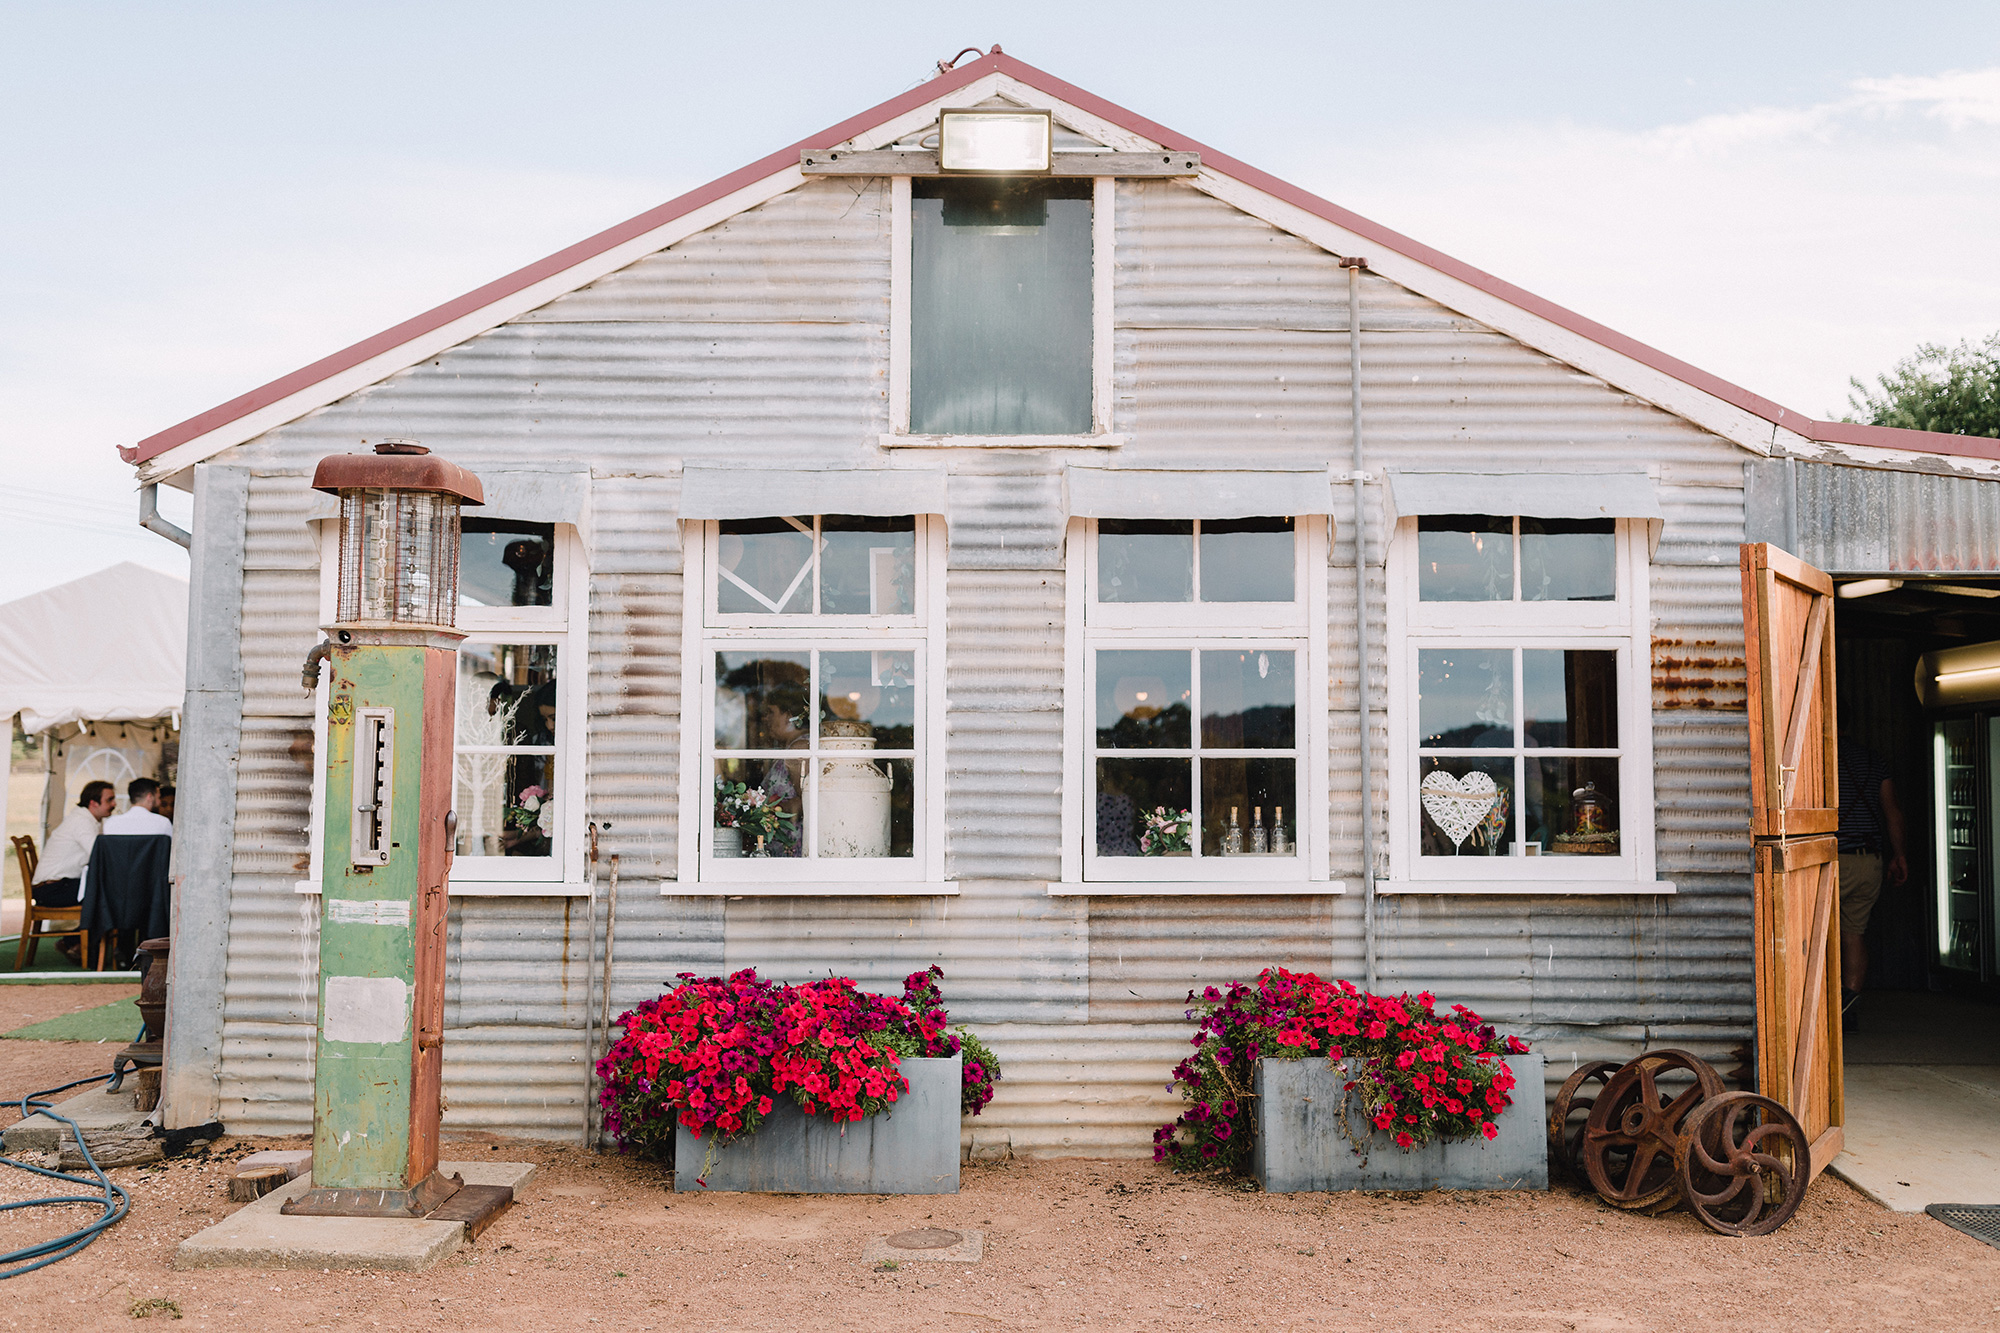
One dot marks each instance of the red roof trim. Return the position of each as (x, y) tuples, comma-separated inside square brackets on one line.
[(1830, 432)]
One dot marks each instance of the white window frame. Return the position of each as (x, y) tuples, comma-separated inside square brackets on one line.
[(705, 631), (1299, 626), (565, 623), (1103, 231), (1623, 626)]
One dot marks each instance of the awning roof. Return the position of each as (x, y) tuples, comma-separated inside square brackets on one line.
[(762, 492), (108, 647), (1530, 494), (1143, 493)]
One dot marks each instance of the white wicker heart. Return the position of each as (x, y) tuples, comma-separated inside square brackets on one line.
[(1457, 805)]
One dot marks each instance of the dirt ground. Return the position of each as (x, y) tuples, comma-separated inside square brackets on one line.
[(600, 1241)]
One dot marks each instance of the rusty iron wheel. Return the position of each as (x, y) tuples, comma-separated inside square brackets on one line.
[(1743, 1164), (1569, 1111), (1633, 1134)]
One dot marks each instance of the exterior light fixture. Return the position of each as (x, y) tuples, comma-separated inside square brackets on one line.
[(1012, 142), (1867, 587), (1951, 677)]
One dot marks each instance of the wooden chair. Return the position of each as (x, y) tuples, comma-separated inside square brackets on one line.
[(33, 914)]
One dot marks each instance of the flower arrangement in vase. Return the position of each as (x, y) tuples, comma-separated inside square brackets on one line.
[(749, 813), (1166, 832)]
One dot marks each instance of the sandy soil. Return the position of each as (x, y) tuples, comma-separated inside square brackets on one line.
[(599, 1240)]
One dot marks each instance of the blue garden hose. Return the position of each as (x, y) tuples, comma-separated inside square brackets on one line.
[(113, 1199)]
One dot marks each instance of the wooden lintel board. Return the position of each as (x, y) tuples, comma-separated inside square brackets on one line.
[(1779, 591), (895, 162)]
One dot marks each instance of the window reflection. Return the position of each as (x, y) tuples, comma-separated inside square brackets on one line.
[(762, 700), (504, 563), (1465, 558), (1248, 699), (507, 711), (1247, 560), (1465, 698), (1569, 560), (868, 566), (1145, 560), (1571, 698), (1143, 699), (764, 566)]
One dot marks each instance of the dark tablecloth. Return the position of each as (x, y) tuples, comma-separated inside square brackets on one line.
[(126, 887)]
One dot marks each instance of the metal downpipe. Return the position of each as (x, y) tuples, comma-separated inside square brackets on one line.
[(150, 520), (1364, 705)]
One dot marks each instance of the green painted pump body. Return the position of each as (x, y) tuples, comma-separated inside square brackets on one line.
[(378, 1078)]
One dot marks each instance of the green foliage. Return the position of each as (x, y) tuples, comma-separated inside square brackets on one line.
[(1955, 390)]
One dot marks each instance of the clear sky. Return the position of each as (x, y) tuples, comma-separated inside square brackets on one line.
[(196, 198)]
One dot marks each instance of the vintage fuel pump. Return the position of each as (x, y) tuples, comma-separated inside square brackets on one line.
[(392, 654)]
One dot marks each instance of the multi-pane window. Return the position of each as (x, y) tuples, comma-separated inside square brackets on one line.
[(1524, 735), (817, 659), (1196, 665), (514, 778)]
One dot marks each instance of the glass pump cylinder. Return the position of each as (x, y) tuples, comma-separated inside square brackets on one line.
[(398, 557)]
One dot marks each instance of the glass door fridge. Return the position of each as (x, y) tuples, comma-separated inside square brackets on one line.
[(1955, 801)]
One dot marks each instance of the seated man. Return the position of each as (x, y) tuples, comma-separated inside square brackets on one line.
[(142, 815), (59, 874), (61, 868)]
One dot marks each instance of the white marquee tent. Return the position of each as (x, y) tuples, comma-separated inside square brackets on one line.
[(110, 647)]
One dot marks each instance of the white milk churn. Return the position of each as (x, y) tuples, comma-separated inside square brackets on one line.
[(853, 795)]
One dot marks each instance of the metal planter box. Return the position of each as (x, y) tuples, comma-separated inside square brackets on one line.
[(912, 1148), (1300, 1145)]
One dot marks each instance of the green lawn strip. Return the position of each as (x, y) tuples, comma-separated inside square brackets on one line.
[(117, 1021), (47, 958)]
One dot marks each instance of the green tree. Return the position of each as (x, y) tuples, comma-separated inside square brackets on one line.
[(1955, 390)]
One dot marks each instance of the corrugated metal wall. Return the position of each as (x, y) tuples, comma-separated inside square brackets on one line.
[(766, 338), (1850, 520)]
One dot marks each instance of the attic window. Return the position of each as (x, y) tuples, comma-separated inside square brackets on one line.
[(1000, 306)]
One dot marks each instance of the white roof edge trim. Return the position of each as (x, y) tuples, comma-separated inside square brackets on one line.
[(1662, 390)]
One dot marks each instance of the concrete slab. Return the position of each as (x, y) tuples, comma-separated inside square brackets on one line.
[(1918, 1135), (970, 1249), (95, 1112), (259, 1236)]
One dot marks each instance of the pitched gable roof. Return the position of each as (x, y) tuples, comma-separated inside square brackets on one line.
[(1751, 420)]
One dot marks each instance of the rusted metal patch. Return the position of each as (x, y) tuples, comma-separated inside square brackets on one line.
[(1698, 673)]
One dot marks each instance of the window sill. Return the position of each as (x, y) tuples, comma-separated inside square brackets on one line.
[(493, 888), (1649, 887), (810, 889), (1002, 441), (1071, 888)]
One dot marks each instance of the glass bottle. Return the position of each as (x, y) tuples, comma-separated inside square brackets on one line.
[(1260, 837), (1232, 837), (1281, 845)]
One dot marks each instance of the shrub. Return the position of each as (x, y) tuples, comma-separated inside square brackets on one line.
[(1416, 1077)]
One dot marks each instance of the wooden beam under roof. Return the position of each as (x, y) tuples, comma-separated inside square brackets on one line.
[(924, 162)]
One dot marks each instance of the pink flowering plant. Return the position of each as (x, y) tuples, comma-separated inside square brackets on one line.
[(716, 1054), (1415, 1077)]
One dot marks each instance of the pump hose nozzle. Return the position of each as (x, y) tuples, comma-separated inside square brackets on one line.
[(309, 674)]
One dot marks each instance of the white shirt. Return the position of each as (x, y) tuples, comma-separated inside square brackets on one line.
[(138, 820), (69, 846)]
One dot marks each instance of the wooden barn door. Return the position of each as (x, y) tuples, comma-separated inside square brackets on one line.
[(1794, 816)]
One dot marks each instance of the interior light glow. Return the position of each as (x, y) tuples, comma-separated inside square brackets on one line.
[(995, 141)]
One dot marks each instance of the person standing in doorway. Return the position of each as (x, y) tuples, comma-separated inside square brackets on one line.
[(1870, 822)]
